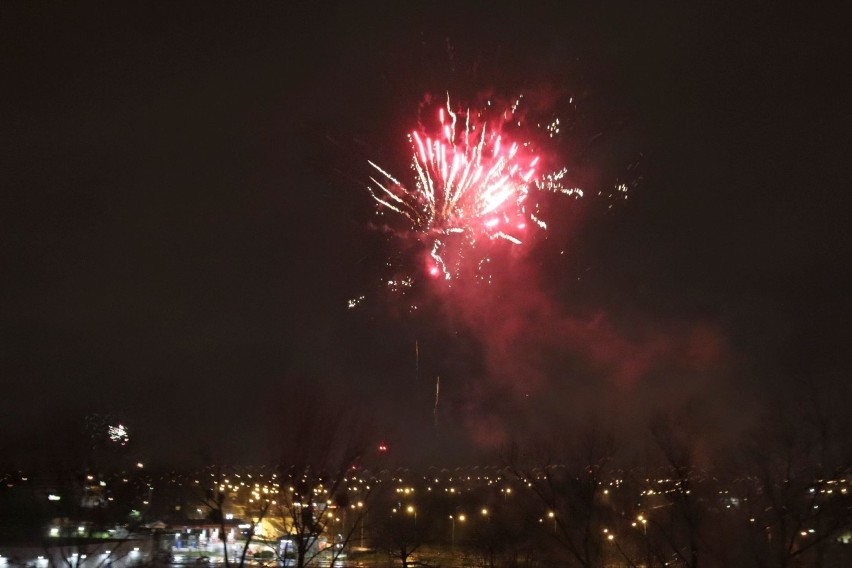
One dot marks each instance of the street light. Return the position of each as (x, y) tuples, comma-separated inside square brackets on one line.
[(361, 520), (644, 521), (412, 511), (453, 530), (485, 513), (552, 515)]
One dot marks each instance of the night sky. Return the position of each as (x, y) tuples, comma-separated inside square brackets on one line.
[(183, 219)]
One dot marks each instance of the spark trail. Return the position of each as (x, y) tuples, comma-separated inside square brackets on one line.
[(437, 400), (475, 182)]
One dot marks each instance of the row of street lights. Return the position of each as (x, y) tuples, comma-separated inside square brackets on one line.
[(461, 517), (412, 510)]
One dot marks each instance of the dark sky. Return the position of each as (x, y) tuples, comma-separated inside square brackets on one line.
[(183, 218)]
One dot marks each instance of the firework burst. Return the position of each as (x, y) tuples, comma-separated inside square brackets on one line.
[(106, 429), (476, 179)]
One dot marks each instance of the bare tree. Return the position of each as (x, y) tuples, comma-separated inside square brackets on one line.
[(322, 501), (679, 523), (398, 535), (568, 480), (503, 533), (214, 500), (795, 502)]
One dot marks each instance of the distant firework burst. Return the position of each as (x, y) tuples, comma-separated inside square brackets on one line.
[(476, 180), (118, 434), (106, 429)]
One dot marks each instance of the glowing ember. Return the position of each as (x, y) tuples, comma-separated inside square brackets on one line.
[(472, 185)]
